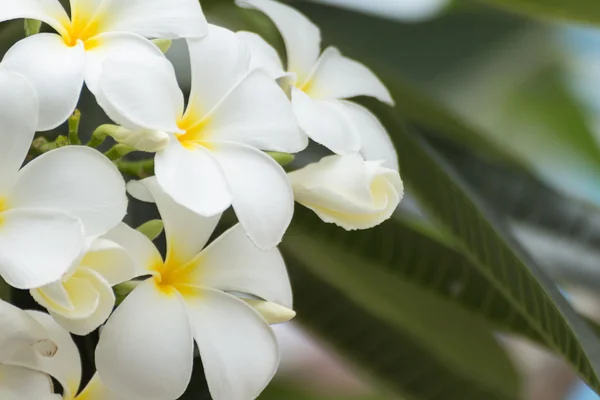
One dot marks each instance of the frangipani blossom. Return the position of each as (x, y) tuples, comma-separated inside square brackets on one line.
[(38, 350), (58, 64), (319, 82), (83, 299), (146, 347), (213, 159), (48, 206), (348, 191)]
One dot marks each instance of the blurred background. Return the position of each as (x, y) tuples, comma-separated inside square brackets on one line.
[(512, 104)]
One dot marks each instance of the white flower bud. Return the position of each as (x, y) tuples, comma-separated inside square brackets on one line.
[(348, 191), (273, 313), (142, 140)]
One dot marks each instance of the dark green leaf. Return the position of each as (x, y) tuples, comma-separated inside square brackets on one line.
[(408, 339), (585, 11), (152, 229), (523, 283)]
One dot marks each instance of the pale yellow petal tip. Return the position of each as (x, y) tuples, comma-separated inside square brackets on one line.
[(46, 348), (273, 313)]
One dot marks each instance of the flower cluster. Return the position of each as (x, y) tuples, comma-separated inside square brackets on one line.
[(61, 230)]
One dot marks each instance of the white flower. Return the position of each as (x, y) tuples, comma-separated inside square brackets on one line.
[(347, 191), (141, 140), (36, 350), (213, 159), (146, 347), (83, 299), (48, 206), (57, 65), (404, 10), (319, 83)]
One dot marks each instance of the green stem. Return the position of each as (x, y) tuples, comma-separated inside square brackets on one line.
[(118, 151), (100, 135), (139, 169), (74, 121), (281, 158)]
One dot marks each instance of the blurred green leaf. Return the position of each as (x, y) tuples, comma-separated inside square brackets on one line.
[(152, 229), (279, 390), (524, 284), (5, 291), (405, 338), (586, 11)]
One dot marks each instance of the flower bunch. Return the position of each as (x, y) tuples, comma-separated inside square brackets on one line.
[(61, 230)]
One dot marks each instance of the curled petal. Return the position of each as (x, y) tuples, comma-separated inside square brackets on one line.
[(141, 249), (55, 70), (110, 260), (263, 55), (48, 11), (302, 38), (146, 347)]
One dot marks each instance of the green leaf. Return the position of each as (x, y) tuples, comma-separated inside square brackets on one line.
[(152, 229), (446, 200), (5, 290), (407, 339), (585, 11)]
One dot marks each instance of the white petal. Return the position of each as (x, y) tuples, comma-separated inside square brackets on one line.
[(141, 94), (376, 143), (20, 331), (53, 297), (18, 383), (192, 177), (339, 77), (326, 122), (56, 72), (257, 113), (187, 232), (97, 390), (146, 347), (144, 253), (77, 180), (82, 11), (18, 123), (48, 11), (238, 348), (211, 81), (233, 263), (121, 45), (348, 191), (88, 291), (302, 37), (64, 366), (170, 19), (262, 196), (38, 246), (263, 55), (111, 260)]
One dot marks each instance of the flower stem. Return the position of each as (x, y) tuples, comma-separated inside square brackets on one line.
[(139, 169), (118, 151), (281, 158), (100, 134), (74, 121)]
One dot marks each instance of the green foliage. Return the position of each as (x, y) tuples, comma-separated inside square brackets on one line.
[(152, 229), (586, 11)]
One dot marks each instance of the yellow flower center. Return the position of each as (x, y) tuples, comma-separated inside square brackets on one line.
[(86, 24), (3, 207), (174, 276), (196, 131)]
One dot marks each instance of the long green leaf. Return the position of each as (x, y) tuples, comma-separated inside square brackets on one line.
[(408, 339), (585, 11), (521, 281)]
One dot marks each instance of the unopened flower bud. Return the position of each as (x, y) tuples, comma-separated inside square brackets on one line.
[(142, 140), (273, 313)]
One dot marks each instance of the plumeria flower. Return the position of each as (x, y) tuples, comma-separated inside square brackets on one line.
[(36, 349), (58, 64), (214, 157), (50, 205), (348, 191), (320, 83), (146, 347), (83, 299)]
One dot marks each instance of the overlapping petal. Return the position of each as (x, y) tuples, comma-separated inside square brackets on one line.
[(262, 196), (376, 143), (141, 95), (55, 70), (48, 11), (77, 180), (256, 112), (302, 38), (194, 179), (18, 123), (326, 122), (18, 383), (238, 348), (263, 55), (141, 249), (187, 232), (232, 263), (339, 77), (146, 347), (110, 260), (38, 246)]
